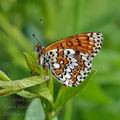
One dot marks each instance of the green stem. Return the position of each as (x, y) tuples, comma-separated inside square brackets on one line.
[(48, 116), (68, 110)]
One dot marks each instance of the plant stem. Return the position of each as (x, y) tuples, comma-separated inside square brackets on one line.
[(48, 116), (68, 110)]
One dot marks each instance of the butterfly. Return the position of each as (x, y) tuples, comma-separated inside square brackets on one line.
[(70, 59)]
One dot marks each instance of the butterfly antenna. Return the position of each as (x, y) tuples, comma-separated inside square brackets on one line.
[(36, 38)]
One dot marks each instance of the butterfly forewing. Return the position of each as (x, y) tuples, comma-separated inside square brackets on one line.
[(70, 59)]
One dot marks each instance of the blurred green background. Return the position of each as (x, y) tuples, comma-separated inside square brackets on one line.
[(19, 19)]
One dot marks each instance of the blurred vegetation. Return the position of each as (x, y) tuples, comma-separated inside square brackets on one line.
[(19, 19)]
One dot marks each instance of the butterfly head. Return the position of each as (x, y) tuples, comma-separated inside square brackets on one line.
[(38, 48)]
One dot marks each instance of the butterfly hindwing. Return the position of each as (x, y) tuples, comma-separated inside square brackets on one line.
[(69, 67)]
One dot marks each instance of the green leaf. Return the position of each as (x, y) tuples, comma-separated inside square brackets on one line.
[(12, 87), (31, 61), (4, 77), (45, 93), (27, 94), (68, 110), (35, 111), (66, 93)]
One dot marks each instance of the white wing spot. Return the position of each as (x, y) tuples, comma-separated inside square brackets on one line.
[(67, 69), (69, 52), (56, 65), (61, 62), (67, 83), (98, 39)]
